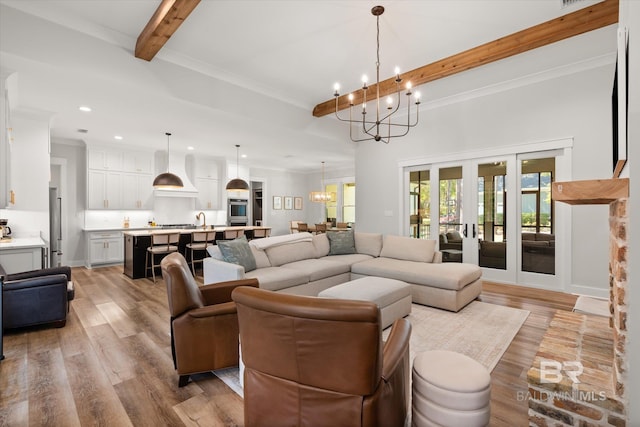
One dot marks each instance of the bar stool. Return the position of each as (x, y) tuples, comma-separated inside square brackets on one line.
[(200, 240), (161, 244), (260, 233), (232, 234)]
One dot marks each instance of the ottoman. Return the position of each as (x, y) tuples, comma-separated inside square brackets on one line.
[(393, 297), (450, 389)]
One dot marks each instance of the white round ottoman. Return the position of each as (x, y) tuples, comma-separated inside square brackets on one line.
[(449, 389)]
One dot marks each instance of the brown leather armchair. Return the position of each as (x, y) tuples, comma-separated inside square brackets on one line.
[(204, 323), (319, 361)]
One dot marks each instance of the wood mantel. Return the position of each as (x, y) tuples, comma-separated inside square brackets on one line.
[(590, 192)]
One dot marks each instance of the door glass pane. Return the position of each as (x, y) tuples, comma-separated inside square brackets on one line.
[(419, 204), (451, 214), (332, 205), (349, 203), (492, 198), (536, 216)]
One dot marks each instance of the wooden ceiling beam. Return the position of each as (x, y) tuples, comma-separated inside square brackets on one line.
[(164, 22), (584, 20)]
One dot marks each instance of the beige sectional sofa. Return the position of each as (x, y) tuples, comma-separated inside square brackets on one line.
[(304, 264)]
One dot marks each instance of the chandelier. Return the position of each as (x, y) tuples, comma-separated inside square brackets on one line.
[(373, 129), (321, 196)]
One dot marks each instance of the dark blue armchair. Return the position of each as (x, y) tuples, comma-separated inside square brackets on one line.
[(36, 297)]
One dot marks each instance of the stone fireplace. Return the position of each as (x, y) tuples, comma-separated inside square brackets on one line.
[(579, 375)]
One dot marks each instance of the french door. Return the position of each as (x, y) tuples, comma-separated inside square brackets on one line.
[(495, 212)]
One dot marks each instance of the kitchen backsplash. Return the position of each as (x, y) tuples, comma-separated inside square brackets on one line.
[(166, 211)]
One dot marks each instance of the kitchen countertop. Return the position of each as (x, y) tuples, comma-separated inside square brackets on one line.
[(22, 243), (118, 228), (147, 231)]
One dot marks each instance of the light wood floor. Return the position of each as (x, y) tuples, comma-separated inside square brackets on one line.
[(111, 364)]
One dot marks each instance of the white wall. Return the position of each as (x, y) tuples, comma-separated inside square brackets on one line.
[(30, 179), (576, 105), (73, 198)]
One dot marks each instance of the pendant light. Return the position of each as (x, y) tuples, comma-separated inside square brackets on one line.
[(237, 184), (321, 196), (167, 179)]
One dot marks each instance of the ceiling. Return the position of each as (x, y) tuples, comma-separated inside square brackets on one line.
[(245, 72)]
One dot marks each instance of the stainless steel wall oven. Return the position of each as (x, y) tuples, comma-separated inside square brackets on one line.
[(237, 211)]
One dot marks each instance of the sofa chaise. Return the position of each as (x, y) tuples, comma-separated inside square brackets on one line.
[(305, 264)]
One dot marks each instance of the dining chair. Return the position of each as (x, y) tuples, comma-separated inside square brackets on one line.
[(200, 240), (321, 228), (161, 244), (302, 227)]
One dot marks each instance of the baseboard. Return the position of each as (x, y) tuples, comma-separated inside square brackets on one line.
[(589, 291)]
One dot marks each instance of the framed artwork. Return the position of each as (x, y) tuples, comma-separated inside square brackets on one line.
[(297, 203), (277, 202), (288, 202)]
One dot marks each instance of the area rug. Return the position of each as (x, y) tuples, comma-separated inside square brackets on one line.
[(481, 330)]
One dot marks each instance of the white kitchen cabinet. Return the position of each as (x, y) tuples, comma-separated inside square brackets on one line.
[(21, 259), (205, 167), (104, 190), (105, 159), (208, 193), (105, 248), (137, 191), (138, 162)]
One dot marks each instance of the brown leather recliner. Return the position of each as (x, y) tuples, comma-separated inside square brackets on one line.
[(204, 323), (319, 361)]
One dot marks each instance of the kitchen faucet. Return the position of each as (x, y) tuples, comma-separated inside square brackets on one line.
[(204, 219)]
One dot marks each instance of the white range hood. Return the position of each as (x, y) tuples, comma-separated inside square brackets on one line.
[(177, 166)]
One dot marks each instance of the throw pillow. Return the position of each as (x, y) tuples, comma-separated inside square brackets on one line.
[(341, 242), (237, 251)]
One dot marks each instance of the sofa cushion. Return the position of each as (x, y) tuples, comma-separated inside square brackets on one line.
[(368, 243), (453, 276), (321, 243), (318, 269), (341, 242), (348, 259), (408, 248), (283, 254), (262, 260), (276, 278), (237, 251)]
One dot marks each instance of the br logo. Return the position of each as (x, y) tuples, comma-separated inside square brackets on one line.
[(552, 371)]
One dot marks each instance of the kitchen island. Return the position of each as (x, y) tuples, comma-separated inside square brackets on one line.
[(136, 243)]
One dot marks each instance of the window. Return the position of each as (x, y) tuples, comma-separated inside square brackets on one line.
[(342, 207), (349, 202)]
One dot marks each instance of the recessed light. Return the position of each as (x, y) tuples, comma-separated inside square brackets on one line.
[(118, 137), (190, 148), (244, 156), (84, 108)]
